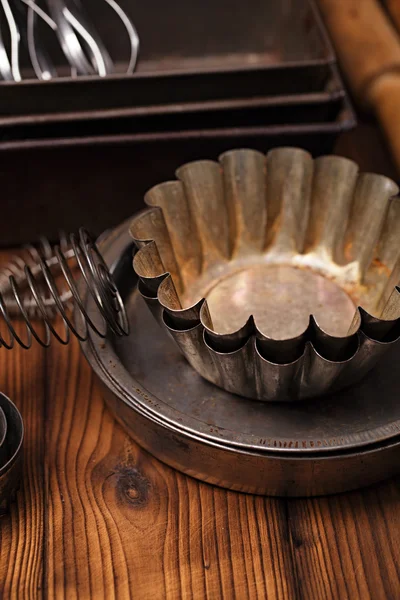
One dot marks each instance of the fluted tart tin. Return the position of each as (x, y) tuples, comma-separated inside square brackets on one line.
[(276, 275)]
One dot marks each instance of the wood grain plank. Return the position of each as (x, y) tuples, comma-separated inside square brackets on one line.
[(348, 546)]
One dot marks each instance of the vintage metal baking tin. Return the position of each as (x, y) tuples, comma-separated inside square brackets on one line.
[(3, 434), (253, 116), (84, 172), (345, 441), (324, 104), (256, 266), (308, 105), (283, 50), (10, 453), (260, 112)]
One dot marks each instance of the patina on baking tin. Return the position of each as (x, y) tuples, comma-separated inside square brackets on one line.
[(275, 275)]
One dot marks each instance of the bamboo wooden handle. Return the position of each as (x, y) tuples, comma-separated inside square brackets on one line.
[(393, 7), (384, 95), (368, 48)]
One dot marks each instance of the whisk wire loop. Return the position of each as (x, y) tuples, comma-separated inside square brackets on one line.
[(41, 300)]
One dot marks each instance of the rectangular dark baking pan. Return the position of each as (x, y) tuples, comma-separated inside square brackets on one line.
[(194, 51), (98, 181), (305, 105), (288, 113)]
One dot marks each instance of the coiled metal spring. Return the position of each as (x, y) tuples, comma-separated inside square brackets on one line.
[(31, 290)]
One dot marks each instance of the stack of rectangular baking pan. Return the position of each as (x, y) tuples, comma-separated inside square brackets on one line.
[(210, 76)]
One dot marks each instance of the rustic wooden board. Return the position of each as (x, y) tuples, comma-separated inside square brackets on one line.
[(97, 517)]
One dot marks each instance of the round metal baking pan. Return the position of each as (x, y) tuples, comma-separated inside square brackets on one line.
[(11, 452), (318, 447), (3, 427)]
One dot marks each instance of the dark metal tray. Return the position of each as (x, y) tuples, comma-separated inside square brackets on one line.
[(311, 111), (343, 442), (305, 105), (98, 181), (191, 52)]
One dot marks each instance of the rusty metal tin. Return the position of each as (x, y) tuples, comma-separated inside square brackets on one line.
[(10, 453), (348, 440), (256, 266)]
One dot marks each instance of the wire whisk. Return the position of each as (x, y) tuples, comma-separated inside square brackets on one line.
[(74, 32), (30, 290)]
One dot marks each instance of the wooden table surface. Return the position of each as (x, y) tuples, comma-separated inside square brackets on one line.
[(98, 517)]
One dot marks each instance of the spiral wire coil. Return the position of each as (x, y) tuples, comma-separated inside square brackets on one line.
[(30, 291)]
